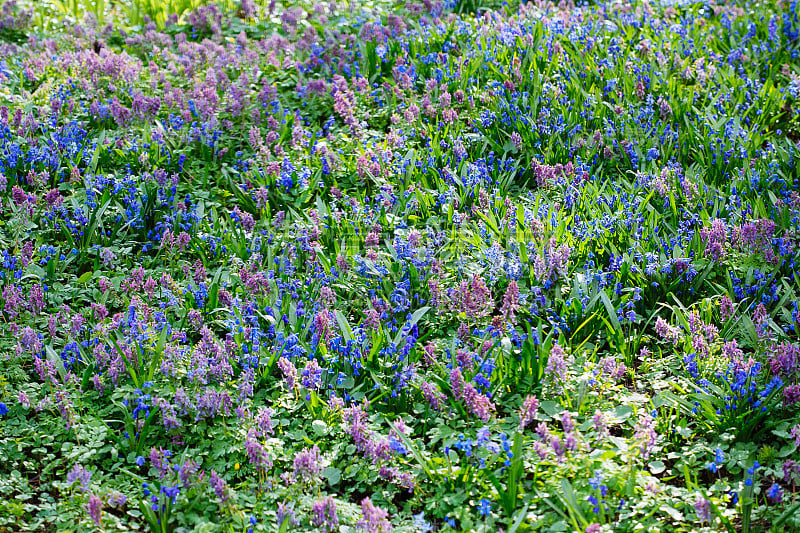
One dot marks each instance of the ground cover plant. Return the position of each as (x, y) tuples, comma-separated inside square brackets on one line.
[(399, 266)]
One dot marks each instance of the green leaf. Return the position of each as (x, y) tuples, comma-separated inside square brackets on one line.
[(333, 475), (568, 495), (656, 467), (347, 331), (419, 313), (414, 451), (612, 313), (787, 514)]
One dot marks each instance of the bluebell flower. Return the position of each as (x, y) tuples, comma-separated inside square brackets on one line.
[(775, 493), (719, 456), (420, 524), (485, 507)]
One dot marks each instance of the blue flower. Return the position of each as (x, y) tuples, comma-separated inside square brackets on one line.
[(420, 524), (597, 480), (3, 409), (719, 456), (140, 461), (485, 507), (397, 446), (775, 493)]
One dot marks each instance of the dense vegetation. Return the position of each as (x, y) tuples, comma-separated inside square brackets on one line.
[(410, 267)]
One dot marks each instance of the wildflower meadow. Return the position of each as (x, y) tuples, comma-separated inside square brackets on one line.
[(361, 266)]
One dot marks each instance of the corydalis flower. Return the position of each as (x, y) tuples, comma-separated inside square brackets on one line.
[(289, 372), (703, 508), (94, 508), (795, 434), (473, 298), (23, 400), (556, 363), (218, 485), (373, 519), (307, 465), (510, 301), (311, 375), (432, 394), (286, 513), (726, 308), (528, 412), (667, 332), (117, 499), (264, 424), (79, 474), (552, 262), (256, 452), (714, 238), (646, 434), (476, 402), (324, 516)]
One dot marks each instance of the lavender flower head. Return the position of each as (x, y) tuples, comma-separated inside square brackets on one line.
[(94, 508), (703, 508), (528, 412), (373, 519), (324, 516), (307, 465), (79, 474)]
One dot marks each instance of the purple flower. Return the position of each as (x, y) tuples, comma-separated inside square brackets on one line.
[(726, 308), (703, 508), (510, 301), (432, 394), (323, 515), (666, 331), (791, 395), (373, 519), (791, 472), (94, 508), (117, 499), (264, 424), (307, 467), (715, 238), (795, 434), (286, 513), (556, 363), (218, 484), (645, 433), (775, 493), (311, 375), (476, 402), (80, 474), (256, 453), (600, 426), (289, 372), (23, 400)]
